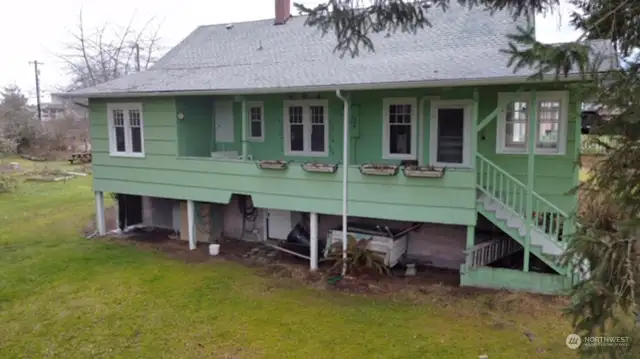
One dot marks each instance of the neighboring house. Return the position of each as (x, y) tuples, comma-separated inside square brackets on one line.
[(60, 108), (185, 144), (52, 111)]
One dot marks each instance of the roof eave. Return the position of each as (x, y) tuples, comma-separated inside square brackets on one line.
[(509, 80)]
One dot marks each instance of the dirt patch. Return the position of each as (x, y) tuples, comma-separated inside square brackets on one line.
[(110, 219), (429, 285)]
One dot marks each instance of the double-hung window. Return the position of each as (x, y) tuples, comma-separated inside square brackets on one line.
[(306, 128), (125, 129), (399, 130), (255, 114), (551, 123)]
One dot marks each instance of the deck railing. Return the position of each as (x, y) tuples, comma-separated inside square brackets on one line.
[(484, 253), (512, 193)]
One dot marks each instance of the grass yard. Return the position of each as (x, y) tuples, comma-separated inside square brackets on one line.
[(65, 296)]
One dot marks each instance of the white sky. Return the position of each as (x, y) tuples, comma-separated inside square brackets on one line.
[(37, 29)]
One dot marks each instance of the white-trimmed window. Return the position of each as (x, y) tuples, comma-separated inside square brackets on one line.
[(306, 128), (255, 115), (551, 122), (399, 130), (126, 136)]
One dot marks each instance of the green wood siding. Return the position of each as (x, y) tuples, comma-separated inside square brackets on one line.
[(176, 166)]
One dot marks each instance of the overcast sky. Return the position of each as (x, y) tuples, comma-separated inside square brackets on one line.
[(37, 29)]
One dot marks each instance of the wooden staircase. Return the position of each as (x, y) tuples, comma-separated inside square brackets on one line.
[(528, 218)]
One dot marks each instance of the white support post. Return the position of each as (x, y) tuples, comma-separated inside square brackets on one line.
[(313, 228), (100, 223), (345, 177), (191, 222)]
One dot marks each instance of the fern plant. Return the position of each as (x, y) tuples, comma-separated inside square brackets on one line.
[(359, 258)]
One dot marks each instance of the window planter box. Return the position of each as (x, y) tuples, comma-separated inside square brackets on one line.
[(319, 167), (273, 164), (379, 170), (423, 171)]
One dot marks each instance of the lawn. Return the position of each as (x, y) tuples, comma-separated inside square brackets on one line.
[(68, 297)]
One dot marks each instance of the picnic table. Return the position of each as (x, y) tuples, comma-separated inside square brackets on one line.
[(81, 157)]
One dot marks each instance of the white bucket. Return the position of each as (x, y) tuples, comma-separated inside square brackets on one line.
[(214, 249)]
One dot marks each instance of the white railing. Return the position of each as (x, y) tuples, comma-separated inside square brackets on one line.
[(484, 253), (512, 193)]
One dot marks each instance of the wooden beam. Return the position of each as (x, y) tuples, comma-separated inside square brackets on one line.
[(471, 236), (474, 122), (496, 111), (245, 145)]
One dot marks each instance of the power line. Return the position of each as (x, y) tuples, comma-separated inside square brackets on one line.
[(35, 64)]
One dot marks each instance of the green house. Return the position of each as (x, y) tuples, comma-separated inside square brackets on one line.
[(250, 128)]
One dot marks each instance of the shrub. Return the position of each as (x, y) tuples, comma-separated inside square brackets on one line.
[(7, 183), (359, 258)]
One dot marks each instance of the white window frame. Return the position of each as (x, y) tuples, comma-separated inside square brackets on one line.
[(250, 105), (413, 155), (505, 98), (306, 121), (128, 144), (465, 105)]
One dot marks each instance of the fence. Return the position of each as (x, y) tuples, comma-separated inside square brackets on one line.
[(591, 145)]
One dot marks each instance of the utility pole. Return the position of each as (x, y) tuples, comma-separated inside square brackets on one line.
[(35, 64)]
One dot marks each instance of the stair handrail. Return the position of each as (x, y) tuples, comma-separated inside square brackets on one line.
[(520, 183)]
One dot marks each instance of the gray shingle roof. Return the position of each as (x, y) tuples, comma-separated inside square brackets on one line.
[(257, 56)]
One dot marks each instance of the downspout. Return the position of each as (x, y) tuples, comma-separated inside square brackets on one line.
[(531, 144), (345, 177), (245, 148)]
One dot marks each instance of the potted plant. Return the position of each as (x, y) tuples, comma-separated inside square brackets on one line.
[(423, 171), (273, 164), (319, 167), (379, 169)]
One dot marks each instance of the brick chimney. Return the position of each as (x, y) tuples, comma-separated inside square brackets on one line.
[(283, 11)]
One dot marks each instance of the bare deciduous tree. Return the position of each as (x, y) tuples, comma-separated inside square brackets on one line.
[(103, 53)]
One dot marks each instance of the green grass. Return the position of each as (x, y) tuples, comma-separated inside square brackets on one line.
[(65, 296)]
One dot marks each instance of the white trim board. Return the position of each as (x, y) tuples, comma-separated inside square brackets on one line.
[(128, 145), (486, 81), (465, 105), (505, 97), (306, 120), (413, 151)]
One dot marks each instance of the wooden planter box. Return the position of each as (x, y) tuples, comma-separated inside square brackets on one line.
[(379, 170), (272, 164), (423, 171), (319, 167)]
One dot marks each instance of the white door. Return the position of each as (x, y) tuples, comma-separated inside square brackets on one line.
[(279, 224), (450, 133), (223, 121)]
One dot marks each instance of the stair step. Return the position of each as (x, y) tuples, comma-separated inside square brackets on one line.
[(516, 222)]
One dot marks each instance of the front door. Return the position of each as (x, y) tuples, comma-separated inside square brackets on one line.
[(223, 121), (450, 138)]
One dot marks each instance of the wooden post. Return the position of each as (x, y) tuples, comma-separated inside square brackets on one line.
[(531, 145), (474, 123), (471, 236), (313, 229), (245, 147), (100, 223), (191, 220)]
